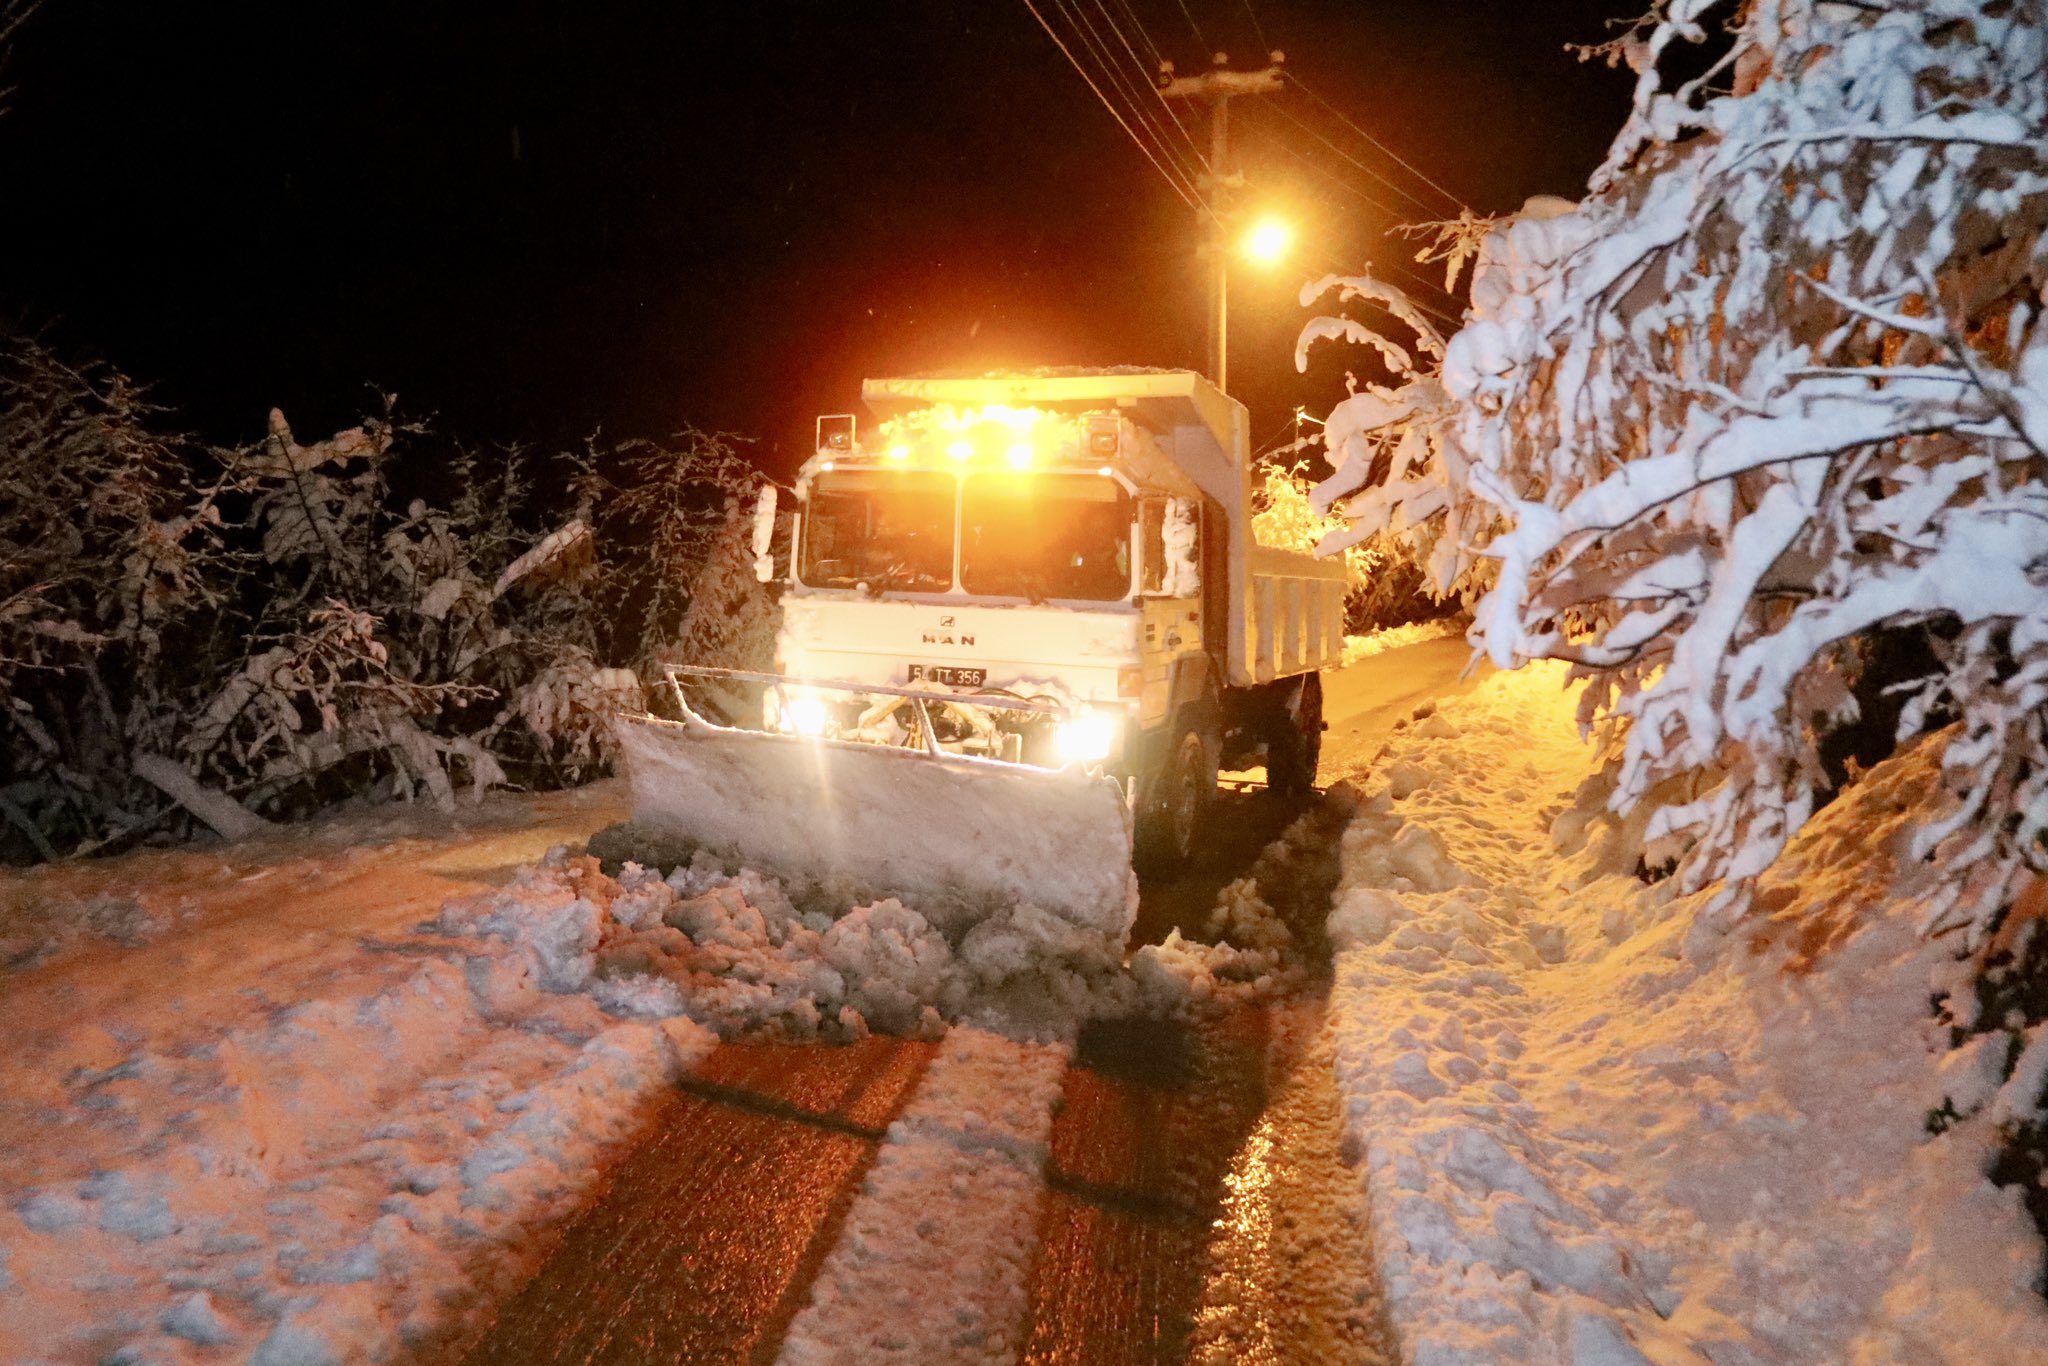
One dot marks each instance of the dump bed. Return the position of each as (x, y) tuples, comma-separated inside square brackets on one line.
[(1284, 609)]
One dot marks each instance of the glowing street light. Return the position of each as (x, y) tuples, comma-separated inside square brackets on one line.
[(1268, 241)]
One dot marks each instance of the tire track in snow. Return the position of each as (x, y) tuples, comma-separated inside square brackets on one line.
[(1154, 1111), (934, 1264), (709, 1231)]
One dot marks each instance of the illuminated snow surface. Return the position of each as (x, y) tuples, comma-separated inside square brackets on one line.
[(1603, 1124), (257, 1116), (310, 1099), (289, 1103)]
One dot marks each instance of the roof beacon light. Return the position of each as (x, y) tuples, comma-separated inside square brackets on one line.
[(836, 432)]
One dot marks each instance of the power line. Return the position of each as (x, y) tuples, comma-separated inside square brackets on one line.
[(1331, 266), (1397, 215), (1418, 201), (1274, 138), (1139, 24), (1257, 27), (1386, 150), (1422, 305), (1397, 263), (1146, 98), (1195, 26), (1192, 201), (1418, 305), (1157, 62)]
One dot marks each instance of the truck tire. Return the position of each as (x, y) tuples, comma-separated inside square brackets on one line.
[(1170, 823), (1294, 744)]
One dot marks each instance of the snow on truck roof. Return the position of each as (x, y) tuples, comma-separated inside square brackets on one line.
[(1160, 399)]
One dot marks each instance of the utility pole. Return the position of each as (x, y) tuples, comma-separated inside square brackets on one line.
[(1216, 87)]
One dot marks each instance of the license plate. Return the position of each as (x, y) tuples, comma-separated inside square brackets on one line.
[(950, 675)]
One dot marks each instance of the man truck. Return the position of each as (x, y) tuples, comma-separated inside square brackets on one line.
[(1023, 625)]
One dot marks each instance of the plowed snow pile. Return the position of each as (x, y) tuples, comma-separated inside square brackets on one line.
[(286, 1129), (732, 952), (1603, 1124)]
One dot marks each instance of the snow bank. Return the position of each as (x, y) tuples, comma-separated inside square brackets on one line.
[(1601, 1124), (1394, 637), (331, 1174)]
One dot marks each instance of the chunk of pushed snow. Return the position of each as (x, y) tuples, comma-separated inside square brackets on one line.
[(1597, 1340), (123, 1209), (893, 961), (2020, 1100), (1411, 1073), (1437, 726), (1593, 1266), (1363, 917), (48, 1211), (193, 1319), (563, 940), (493, 1159), (143, 1218), (1970, 1075), (424, 1178), (1548, 940), (1477, 1161), (1419, 855), (639, 997), (291, 1345), (354, 1265), (1404, 779)]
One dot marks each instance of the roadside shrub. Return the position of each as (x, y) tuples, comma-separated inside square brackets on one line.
[(235, 635)]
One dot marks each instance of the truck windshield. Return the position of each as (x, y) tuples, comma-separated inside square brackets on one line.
[(1040, 536), (889, 530)]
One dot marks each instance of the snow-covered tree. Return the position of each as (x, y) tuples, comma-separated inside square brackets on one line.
[(102, 551), (1397, 493), (1775, 392), (233, 634)]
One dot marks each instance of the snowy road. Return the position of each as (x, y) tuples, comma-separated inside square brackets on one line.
[(398, 1087), (1161, 1214)]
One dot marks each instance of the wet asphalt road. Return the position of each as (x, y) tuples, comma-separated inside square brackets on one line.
[(1164, 1233)]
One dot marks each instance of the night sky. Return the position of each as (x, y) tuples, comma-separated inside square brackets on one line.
[(535, 220)]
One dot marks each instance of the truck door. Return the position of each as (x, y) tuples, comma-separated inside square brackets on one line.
[(1171, 626)]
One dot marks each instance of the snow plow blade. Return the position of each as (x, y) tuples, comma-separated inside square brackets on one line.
[(952, 836)]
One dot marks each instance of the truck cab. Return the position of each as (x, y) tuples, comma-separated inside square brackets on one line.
[(1064, 559)]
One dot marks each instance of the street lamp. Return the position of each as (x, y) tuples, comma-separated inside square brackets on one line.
[(1268, 241)]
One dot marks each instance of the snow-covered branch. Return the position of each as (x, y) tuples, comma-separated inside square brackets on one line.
[(1775, 392)]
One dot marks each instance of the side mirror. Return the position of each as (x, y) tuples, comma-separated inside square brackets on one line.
[(764, 535)]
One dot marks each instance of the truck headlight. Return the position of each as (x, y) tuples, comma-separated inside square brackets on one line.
[(805, 715), (1087, 738)]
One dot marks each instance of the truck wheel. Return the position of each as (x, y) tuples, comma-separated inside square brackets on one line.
[(1171, 820), (1294, 745)]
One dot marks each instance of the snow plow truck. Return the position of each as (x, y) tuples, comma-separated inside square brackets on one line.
[(1023, 624)]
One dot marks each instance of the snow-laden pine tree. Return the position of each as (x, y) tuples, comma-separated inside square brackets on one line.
[(1774, 394)]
